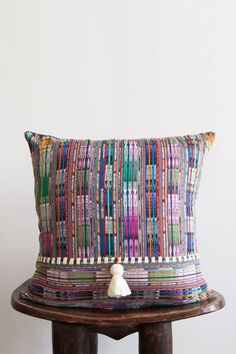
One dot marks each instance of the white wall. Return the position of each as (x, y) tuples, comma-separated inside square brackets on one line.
[(102, 69)]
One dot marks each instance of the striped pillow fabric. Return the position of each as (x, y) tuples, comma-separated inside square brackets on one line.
[(129, 199)]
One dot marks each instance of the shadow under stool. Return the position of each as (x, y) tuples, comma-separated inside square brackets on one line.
[(75, 330)]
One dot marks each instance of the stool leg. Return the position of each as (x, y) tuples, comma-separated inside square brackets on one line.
[(155, 339), (73, 339), (93, 343)]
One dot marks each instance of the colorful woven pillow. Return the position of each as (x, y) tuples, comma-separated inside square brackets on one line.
[(123, 202)]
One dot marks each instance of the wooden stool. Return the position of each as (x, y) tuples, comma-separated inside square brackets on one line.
[(74, 330)]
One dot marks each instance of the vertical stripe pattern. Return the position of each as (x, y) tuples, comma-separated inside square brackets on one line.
[(128, 198)]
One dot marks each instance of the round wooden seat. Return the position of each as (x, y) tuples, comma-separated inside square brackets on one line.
[(74, 330)]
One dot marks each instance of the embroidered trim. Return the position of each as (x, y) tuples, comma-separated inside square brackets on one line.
[(106, 260)]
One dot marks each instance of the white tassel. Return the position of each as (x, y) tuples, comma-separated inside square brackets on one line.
[(118, 286)]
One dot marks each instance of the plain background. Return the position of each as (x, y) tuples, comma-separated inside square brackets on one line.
[(105, 69)]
